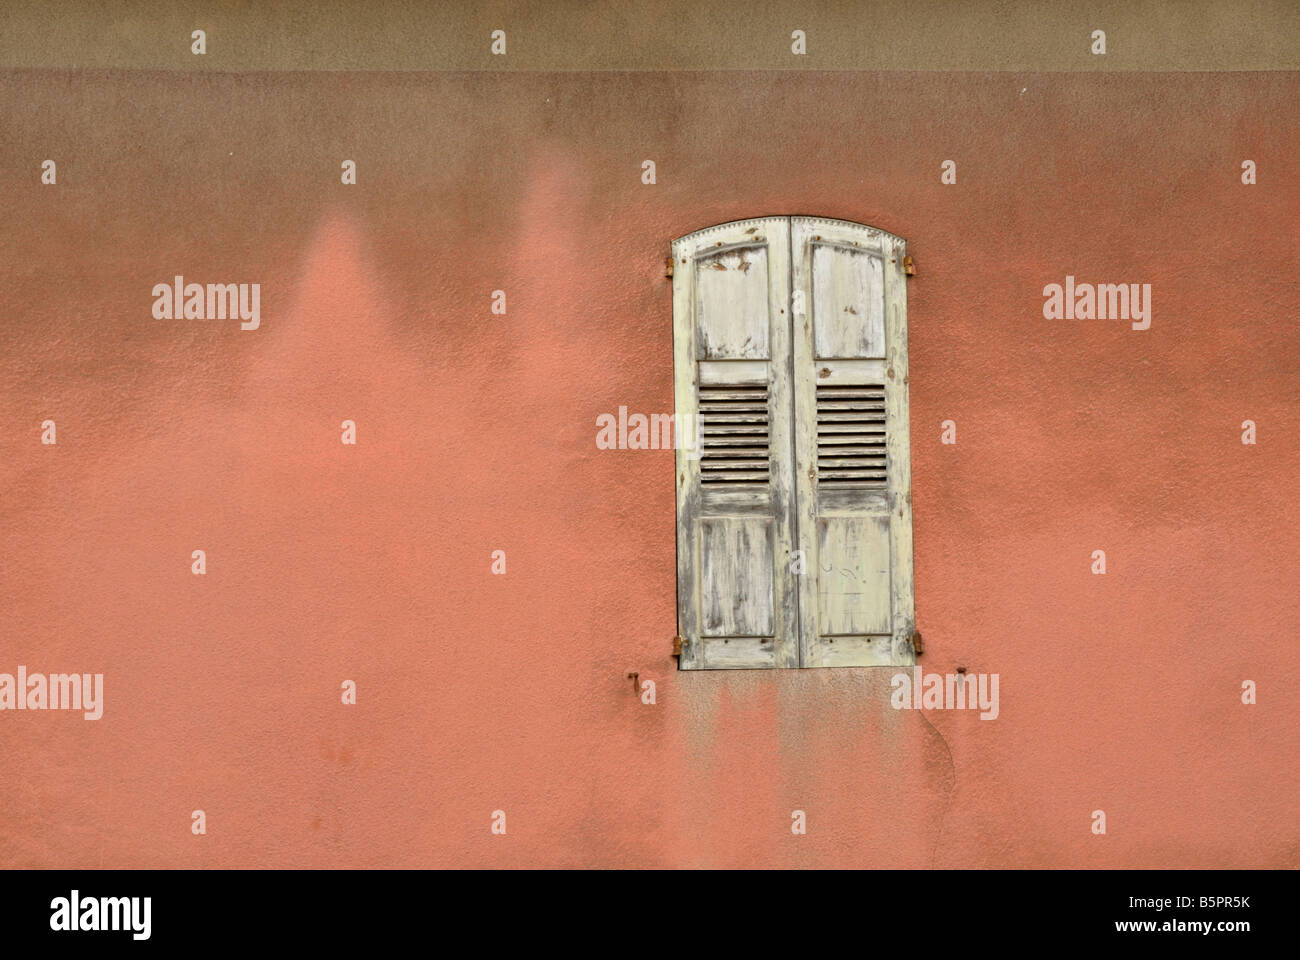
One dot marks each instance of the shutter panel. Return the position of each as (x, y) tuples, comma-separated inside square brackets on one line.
[(852, 457), (736, 603)]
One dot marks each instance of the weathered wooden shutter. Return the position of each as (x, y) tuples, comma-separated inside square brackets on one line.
[(790, 358), (736, 598), (852, 460)]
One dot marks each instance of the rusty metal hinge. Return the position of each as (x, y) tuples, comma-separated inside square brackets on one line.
[(677, 646), (917, 646), (668, 268), (909, 268)]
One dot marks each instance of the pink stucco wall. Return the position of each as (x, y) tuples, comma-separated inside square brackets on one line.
[(477, 432)]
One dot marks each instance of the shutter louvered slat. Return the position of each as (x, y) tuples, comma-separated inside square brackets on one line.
[(734, 435), (851, 435)]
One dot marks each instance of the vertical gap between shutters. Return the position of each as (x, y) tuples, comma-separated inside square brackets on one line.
[(793, 380)]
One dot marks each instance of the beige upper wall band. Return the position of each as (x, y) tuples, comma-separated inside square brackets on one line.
[(574, 35)]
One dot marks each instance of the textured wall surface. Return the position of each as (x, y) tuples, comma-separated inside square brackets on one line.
[(476, 432)]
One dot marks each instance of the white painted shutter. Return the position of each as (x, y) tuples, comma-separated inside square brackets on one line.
[(852, 459), (801, 405), (736, 602)]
